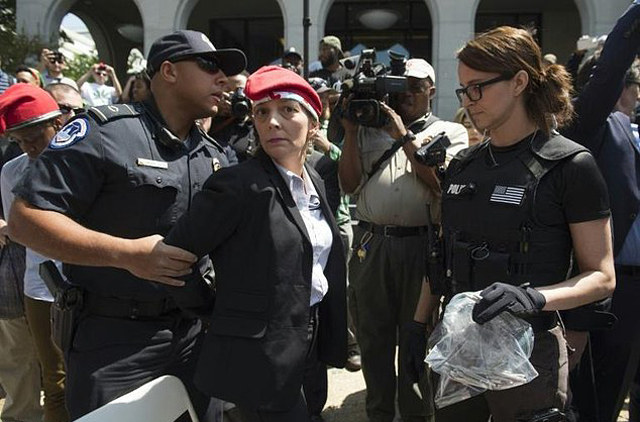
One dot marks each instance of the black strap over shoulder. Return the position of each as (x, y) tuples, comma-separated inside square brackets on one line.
[(416, 127), (104, 114), (546, 153)]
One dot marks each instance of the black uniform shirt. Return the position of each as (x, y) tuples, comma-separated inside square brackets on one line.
[(571, 193), (117, 170)]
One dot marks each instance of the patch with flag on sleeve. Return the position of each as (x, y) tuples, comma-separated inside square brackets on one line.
[(511, 195), (75, 131)]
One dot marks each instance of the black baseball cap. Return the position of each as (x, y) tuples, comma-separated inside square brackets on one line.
[(185, 43), (291, 51)]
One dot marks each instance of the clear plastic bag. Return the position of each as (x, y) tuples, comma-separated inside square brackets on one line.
[(472, 358)]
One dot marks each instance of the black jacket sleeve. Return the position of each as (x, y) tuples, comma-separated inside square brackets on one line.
[(599, 96)]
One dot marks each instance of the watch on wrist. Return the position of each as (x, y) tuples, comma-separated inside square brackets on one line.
[(408, 137)]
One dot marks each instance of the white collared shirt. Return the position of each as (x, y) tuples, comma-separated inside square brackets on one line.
[(308, 203)]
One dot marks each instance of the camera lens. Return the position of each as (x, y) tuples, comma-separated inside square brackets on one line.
[(240, 109)]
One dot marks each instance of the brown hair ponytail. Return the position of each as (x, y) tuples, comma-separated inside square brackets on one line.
[(507, 50)]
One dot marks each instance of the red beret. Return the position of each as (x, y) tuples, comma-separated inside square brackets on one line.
[(274, 82), (23, 105)]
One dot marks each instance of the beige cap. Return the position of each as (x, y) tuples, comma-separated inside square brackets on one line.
[(333, 41), (419, 68)]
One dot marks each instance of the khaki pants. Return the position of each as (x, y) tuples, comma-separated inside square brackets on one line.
[(19, 372), (50, 358), (547, 390)]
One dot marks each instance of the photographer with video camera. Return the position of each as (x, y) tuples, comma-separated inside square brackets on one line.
[(387, 267), (232, 126)]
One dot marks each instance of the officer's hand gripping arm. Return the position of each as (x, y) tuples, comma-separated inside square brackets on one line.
[(59, 237)]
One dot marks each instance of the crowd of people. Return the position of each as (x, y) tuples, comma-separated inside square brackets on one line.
[(201, 219)]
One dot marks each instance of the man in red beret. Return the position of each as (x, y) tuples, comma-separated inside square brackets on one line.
[(31, 118)]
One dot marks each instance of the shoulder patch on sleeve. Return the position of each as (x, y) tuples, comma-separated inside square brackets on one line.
[(107, 113), (75, 131)]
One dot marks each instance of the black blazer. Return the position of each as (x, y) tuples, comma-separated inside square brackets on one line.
[(608, 134), (255, 350)]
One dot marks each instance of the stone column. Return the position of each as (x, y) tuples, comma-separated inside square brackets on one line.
[(453, 25), (41, 17), (605, 15), (161, 17)]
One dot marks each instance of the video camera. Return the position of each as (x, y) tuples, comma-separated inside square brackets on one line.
[(240, 104), (371, 84)]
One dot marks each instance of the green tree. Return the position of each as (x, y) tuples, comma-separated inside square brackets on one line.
[(16, 48), (79, 65)]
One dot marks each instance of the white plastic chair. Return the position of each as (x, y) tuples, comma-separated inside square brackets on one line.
[(162, 400)]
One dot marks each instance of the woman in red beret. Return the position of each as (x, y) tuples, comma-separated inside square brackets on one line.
[(279, 265)]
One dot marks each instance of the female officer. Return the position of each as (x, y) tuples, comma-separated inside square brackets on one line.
[(279, 265), (514, 208)]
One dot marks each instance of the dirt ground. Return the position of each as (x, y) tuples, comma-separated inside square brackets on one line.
[(346, 398)]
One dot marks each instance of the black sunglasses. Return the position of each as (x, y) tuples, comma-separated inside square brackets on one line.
[(206, 64), (65, 109), (474, 91)]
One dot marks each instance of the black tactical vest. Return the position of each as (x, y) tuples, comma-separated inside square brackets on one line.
[(490, 230)]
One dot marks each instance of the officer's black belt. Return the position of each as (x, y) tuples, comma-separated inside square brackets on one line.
[(393, 231), (632, 270), (543, 321), (114, 307)]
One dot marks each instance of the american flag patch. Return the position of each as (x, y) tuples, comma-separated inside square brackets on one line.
[(507, 195)]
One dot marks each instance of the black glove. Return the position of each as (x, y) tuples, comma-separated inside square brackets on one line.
[(414, 349), (499, 297)]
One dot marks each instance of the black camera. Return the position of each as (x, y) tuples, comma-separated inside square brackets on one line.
[(434, 153), (240, 104), (371, 84), (56, 57)]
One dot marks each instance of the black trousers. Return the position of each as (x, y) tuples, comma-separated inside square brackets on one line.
[(313, 392), (113, 356), (616, 354)]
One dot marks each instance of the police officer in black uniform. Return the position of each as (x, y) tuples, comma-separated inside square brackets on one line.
[(514, 208), (100, 198)]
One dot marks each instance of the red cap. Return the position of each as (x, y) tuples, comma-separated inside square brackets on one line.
[(23, 105), (275, 82)]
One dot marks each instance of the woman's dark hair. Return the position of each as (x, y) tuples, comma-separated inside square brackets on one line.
[(507, 50), (143, 76)]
